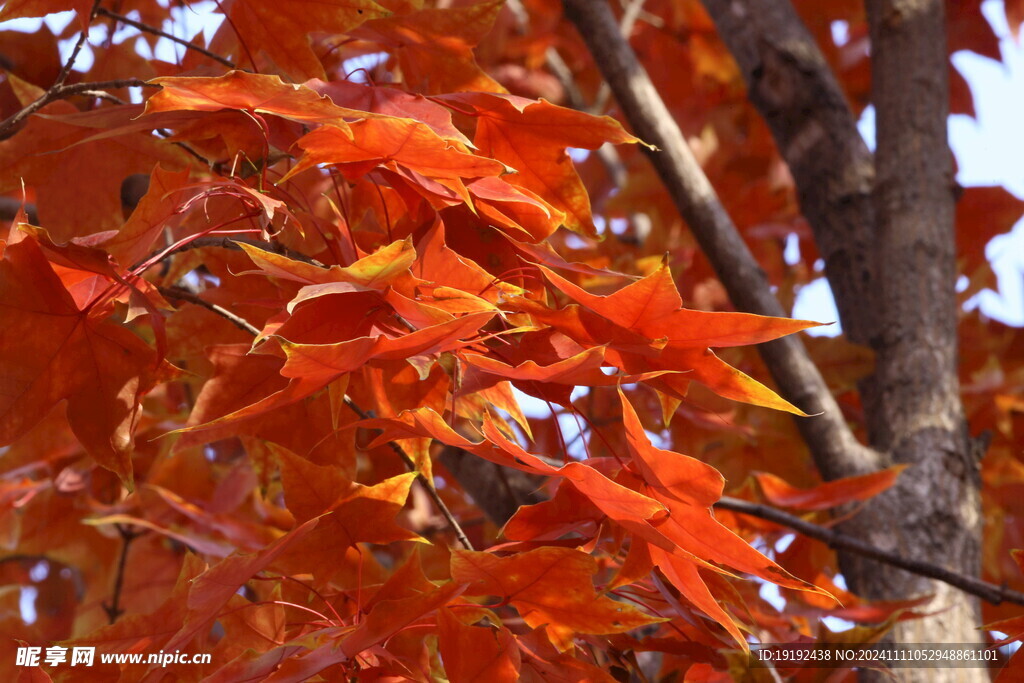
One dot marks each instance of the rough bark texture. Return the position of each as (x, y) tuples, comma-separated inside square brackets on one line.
[(799, 97), (889, 252), (913, 404), (890, 261), (836, 451), (497, 490), (906, 271)]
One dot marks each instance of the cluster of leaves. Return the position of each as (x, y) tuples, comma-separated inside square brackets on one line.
[(223, 400)]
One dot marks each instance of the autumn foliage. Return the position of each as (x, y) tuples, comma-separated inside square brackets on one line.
[(224, 400)]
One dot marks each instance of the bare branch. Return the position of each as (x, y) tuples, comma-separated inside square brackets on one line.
[(128, 535), (65, 70), (233, 243), (988, 592), (428, 485), (835, 449), (193, 298), (65, 91), (163, 34)]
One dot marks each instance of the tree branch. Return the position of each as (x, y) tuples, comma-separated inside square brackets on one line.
[(792, 86), (428, 485), (163, 34), (62, 93), (989, 592), (193, 298), (233, 242), (65, 70), (497, 490), (128, 535), (836, 451)]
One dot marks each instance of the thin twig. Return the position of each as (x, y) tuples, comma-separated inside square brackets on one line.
[(65, 91), (233, 244), (102, 95), (65, 70), (192, 298), (164, 133), (989, 592), (163, 34), (426, 483), (113, 609)]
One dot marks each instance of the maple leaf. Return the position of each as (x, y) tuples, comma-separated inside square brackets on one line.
[(567, 511), (394, 144), (551, 586), (312, 366), (54, 154), (402, 293), (434, 46), (373, 271), (210, 591), (628, 507), (476, 653), (392, 102), (258, 93), (241, 379), (14, 9), (1014, 10), (281, 29), (532, 137), (389, 616), (687, 488), (54, 351), (651, 306), (645, 330), (135, 238), (357, 513), (830, 494), (148, 632)]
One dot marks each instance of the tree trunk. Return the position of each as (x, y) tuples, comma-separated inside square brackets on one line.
[(895, 291), (885, 230), (912, 402)]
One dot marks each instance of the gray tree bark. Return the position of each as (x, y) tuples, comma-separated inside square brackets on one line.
[(835, 449), (885, 230), (912, 401)]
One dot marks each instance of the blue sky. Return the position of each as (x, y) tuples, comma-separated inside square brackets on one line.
[(989, 151)]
